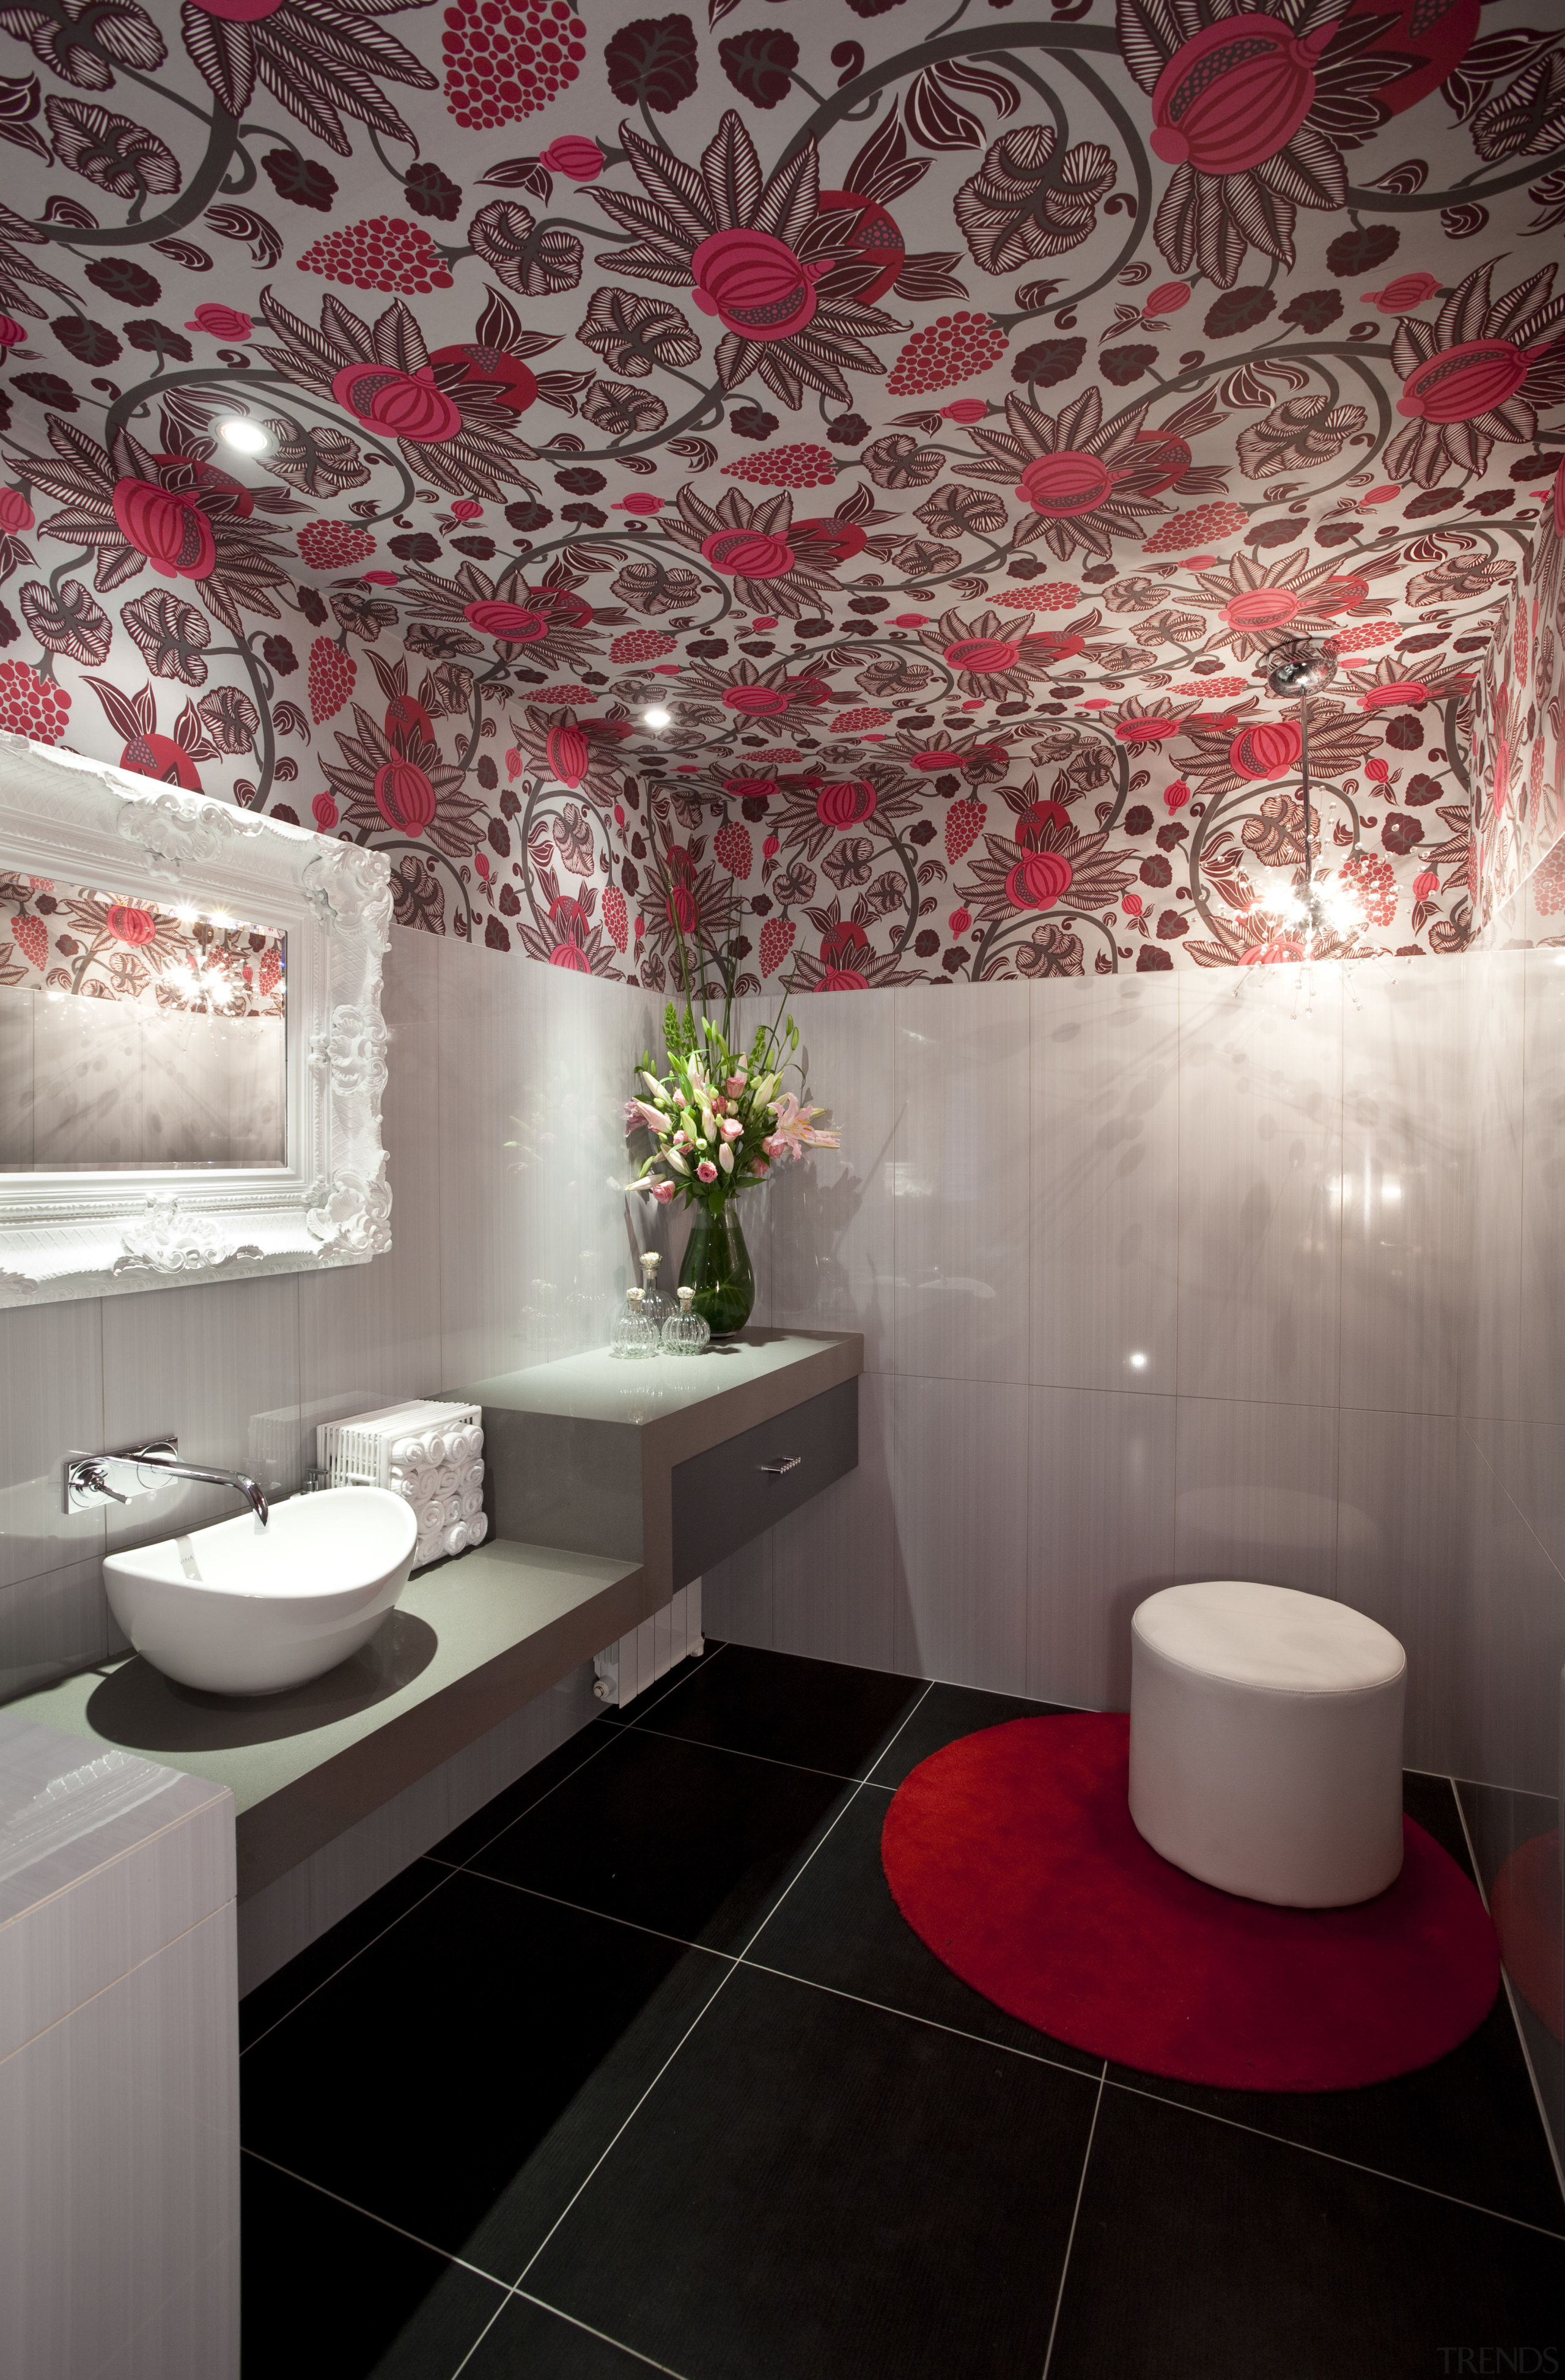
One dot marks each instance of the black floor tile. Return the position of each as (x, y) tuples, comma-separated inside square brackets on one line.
[(1468, 2125), (271, 2001), (330, 2295), (946, 1713), (1203, 2251), (840, 1926), (821, 1714), (818, 2188), (530, 2342), (534, 1786), (461, 2078), (665, 1833), (641, 1704)]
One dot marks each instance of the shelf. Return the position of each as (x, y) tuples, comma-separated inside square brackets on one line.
[(468, 1643)]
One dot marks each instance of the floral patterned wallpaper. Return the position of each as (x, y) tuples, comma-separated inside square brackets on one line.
[(69, 941), (938, 412)]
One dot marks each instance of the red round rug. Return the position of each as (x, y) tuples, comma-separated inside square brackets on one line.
[(1012, 1855)]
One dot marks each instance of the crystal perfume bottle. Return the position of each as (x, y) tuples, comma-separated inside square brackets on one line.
[(685, 1333), (655, 1303), (634, 1336)]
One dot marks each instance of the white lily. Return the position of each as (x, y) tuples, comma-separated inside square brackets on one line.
[(675, 1160), (725, 1158)]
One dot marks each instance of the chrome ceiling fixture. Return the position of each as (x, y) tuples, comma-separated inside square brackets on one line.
[(1295, 670)]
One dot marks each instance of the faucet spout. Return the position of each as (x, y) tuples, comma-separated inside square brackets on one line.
[(240, 1481)]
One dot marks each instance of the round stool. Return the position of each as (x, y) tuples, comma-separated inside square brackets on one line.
[(1266, 1742)]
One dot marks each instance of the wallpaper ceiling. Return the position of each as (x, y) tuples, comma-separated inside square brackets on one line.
[(934, 413)]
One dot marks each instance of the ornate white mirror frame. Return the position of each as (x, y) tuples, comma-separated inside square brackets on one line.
[(87, 1235)]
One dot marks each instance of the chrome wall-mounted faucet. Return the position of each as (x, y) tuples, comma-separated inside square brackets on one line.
[(132, 1471)]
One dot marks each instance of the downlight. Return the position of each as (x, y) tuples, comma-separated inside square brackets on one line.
[(245, 437), (658, 717)]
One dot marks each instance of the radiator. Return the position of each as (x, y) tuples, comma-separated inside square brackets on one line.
[(628, 1667)]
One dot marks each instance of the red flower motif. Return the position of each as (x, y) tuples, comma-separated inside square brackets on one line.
[(755, 283), (746, 553), (131, 925), (1235, 94), (405, 405), (1267, 749), (169, 528), (1039, 881), (845, 805), (580, 160), (404, 796)]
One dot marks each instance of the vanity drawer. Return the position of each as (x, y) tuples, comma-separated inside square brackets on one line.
[(725, 1496)]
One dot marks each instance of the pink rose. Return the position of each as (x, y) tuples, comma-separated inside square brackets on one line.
[(221, 322), (706, 1171), (662, 1192), (574, 155)]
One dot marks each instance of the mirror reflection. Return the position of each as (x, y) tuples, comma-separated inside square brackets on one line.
[(135, 1035)]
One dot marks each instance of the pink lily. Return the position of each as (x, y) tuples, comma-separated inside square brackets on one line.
[(795, 1131)]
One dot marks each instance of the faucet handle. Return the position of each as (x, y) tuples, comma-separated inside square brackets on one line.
[(90, 1476)]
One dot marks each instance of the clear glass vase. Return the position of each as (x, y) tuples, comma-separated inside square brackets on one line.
[(685, 1333), (654, 1304), (636, 1335), (716, 1267)]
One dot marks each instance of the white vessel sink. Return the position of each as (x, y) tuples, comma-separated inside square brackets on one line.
[(235, 1609)]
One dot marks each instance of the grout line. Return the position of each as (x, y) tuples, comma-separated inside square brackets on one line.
[(703, 2011), (1553, 2144), (483, 2333), (457, 1867), (604, 1916), (385, 2221), (389, 1927), (592, 2332), (1075, 2219), (911, 2016), (771, 1760), (661, 1688), (1330, 2157), (611, 1735), (821, 1845), (620, 2131)]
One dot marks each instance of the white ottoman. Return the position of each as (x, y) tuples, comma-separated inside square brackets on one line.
[(1266, 1742)]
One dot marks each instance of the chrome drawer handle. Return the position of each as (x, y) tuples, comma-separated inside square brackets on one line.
[(784, 1462)]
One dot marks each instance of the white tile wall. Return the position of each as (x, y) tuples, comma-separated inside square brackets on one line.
[(1105, 1202), (500, 1255), (1259, 1181), (1328, 1219), (1101, 1535)]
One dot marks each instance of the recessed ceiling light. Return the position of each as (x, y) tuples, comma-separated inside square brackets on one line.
[(658, 716), (245, 437)]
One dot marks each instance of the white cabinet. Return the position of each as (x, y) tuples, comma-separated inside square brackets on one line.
[(119, 2136)]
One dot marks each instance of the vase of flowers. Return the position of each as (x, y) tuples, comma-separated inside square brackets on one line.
[(719, 1121)]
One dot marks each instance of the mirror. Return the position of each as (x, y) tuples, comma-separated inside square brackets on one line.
[(192, 1048), (137, 1034)]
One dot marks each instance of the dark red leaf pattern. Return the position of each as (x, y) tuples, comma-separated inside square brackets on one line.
[(944, 462)]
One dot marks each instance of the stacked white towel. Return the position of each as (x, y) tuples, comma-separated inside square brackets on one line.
[(429, 1453)]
